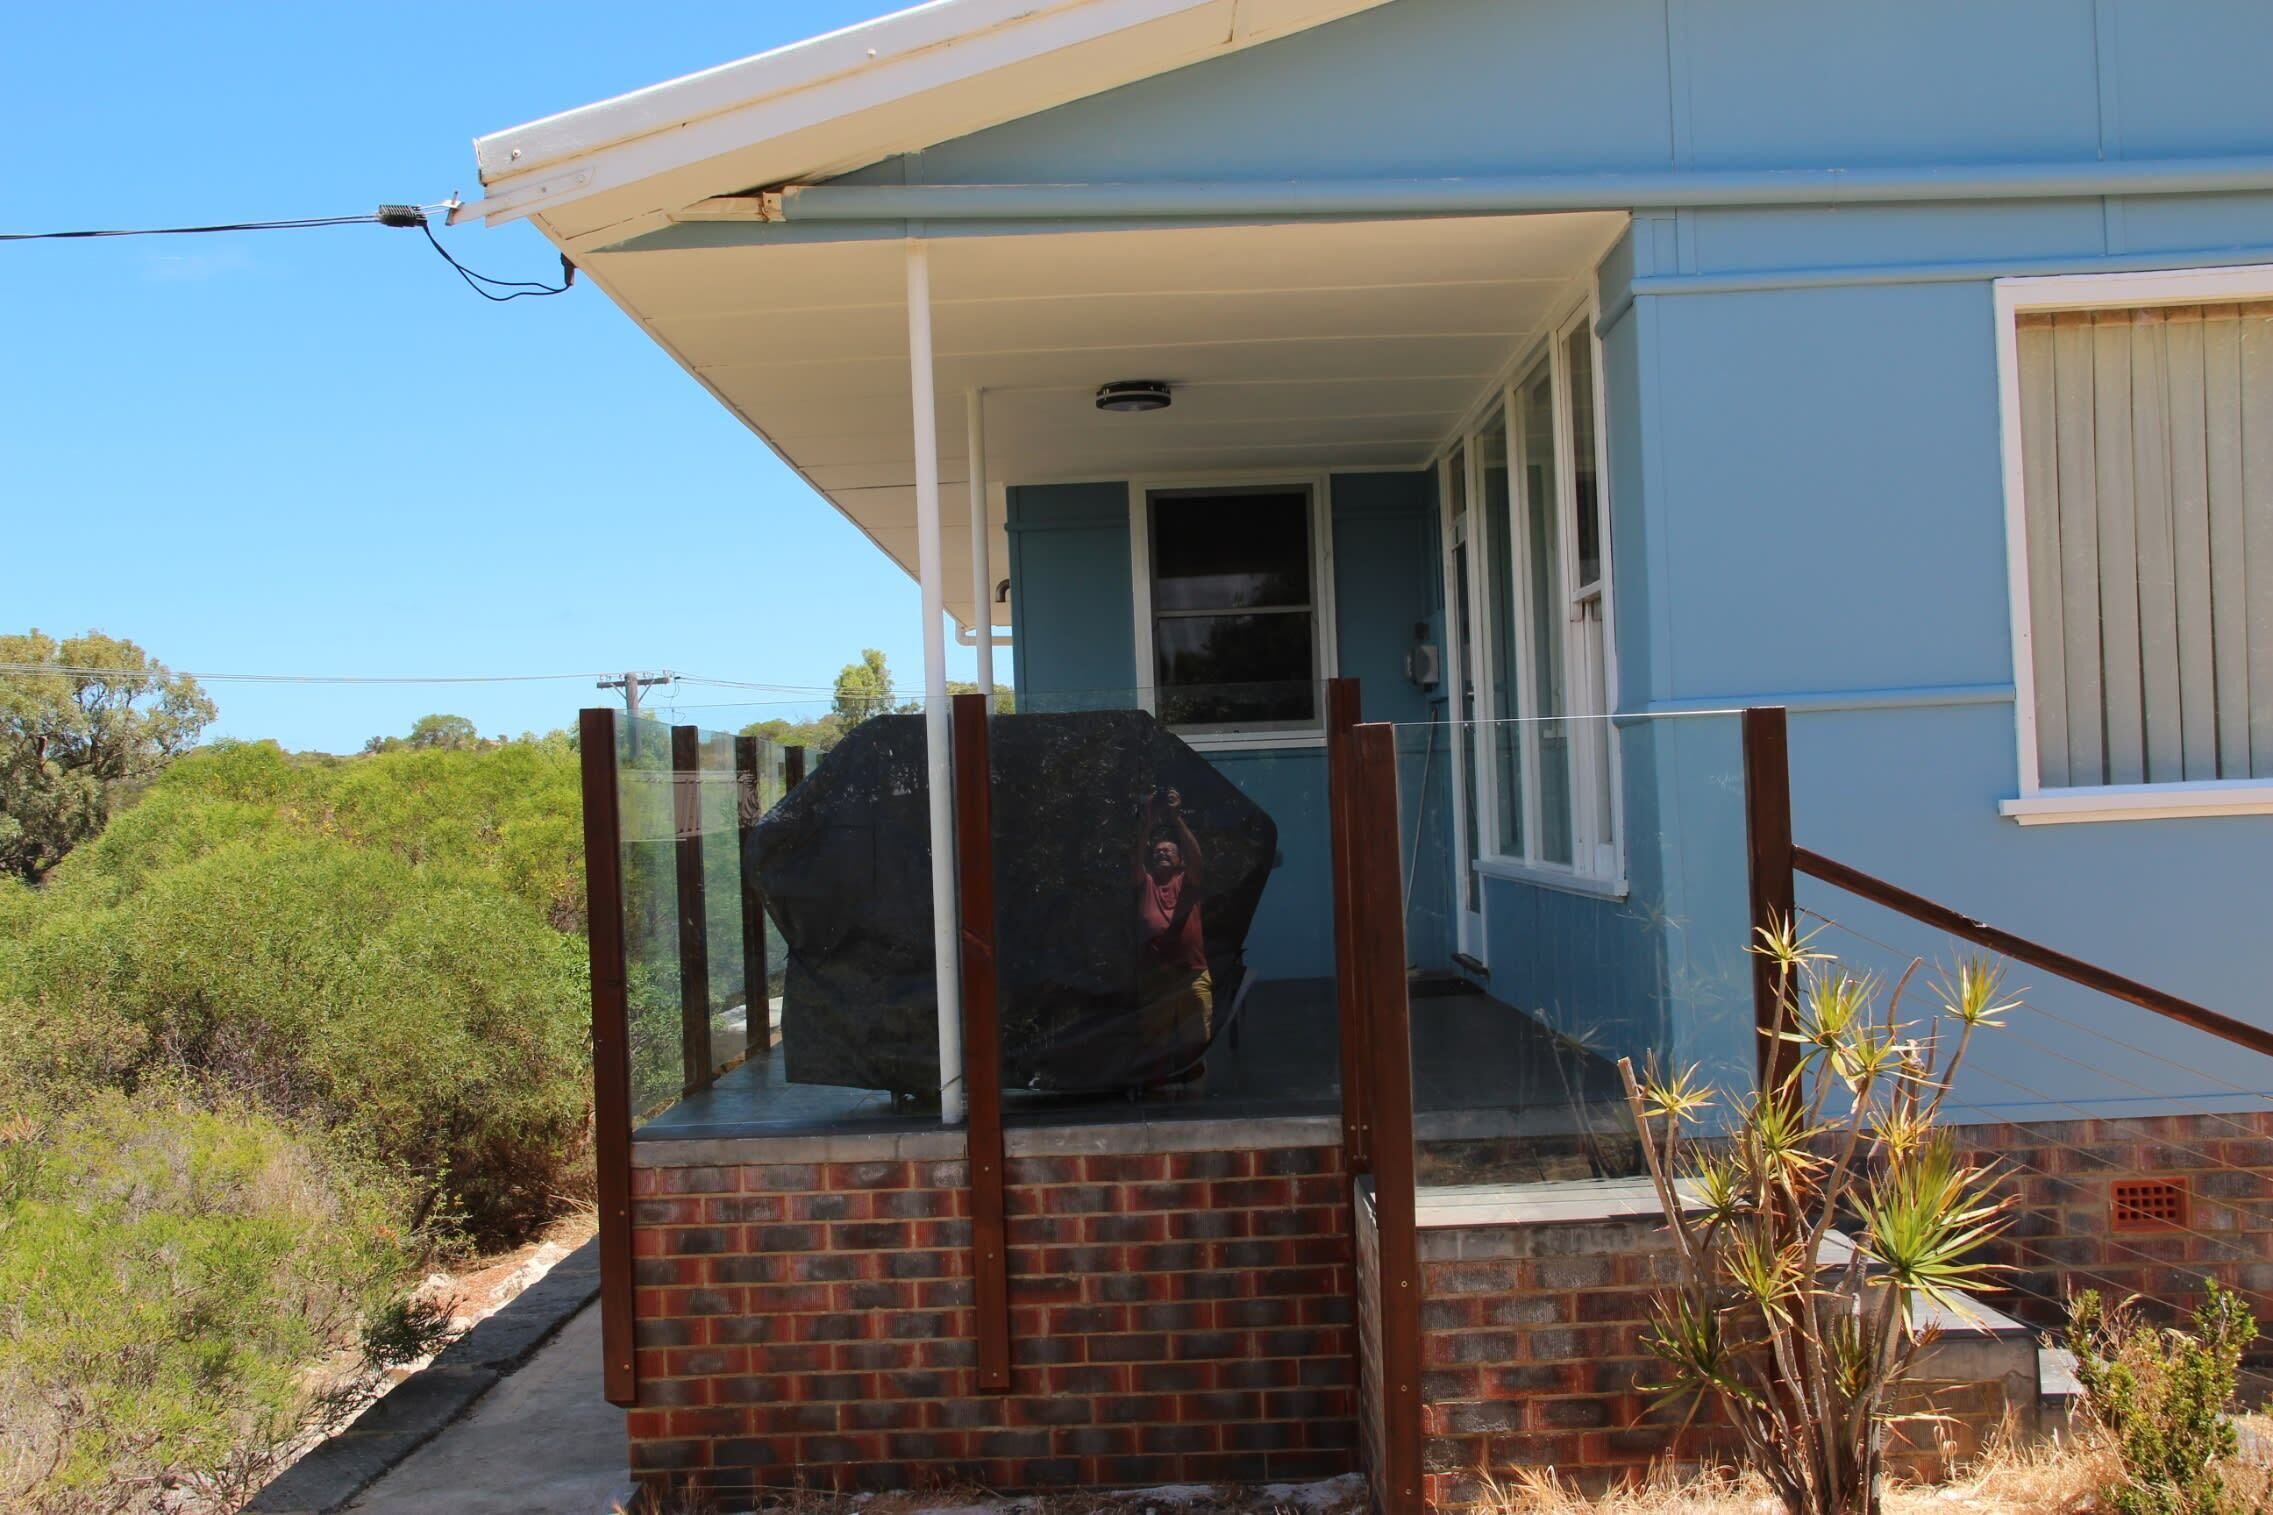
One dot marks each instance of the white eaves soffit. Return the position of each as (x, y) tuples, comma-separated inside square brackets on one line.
[(842, 101), (1299, 347)]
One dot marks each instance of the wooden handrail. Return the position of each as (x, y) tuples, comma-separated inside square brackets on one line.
[(2035, 954)]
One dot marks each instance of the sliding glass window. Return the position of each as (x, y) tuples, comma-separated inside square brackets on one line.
[(1544, 659)]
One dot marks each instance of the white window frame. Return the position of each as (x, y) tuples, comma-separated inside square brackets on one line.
[(2036, 804), (1317, 484), (1598, 865)]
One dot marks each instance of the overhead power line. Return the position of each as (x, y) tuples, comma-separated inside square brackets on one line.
[(487, 286), (74, 671)]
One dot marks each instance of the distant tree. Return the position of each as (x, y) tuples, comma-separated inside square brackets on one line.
[(863, 688), (1004, 702), (432, 733), (85, 725)]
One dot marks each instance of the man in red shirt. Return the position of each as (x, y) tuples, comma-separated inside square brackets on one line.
[(1175, 995)]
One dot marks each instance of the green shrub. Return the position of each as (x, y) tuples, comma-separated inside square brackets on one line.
[(2162, 1395), (168, 1277), (423, 1012)]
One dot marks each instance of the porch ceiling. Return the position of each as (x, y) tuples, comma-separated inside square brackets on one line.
[(1306, 345)]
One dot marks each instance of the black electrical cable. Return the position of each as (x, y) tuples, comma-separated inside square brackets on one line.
[(518, 287), (485, 285), (186, 231)]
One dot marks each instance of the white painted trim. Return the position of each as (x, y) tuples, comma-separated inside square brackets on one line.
[(1468, 934), (2160, 286), (2141, 802), (858, 95), (2016, 532), (1551, 876), (2037, 805), (1318, 483), (946, 933)]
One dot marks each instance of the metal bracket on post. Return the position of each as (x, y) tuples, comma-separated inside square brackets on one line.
[(982, 1039)]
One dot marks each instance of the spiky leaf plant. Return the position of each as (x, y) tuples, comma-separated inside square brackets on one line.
[(1807, 1233)]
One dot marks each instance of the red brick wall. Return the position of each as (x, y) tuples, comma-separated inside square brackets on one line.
[(1175, 1316), (2061, 1240)]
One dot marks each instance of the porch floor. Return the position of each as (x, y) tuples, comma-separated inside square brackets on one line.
[(1496, 1097)]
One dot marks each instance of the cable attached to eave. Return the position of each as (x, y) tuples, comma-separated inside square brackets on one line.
[(487, 286)]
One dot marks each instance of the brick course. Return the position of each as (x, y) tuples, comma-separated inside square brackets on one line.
[(1176, 1316), (2061, 1240)]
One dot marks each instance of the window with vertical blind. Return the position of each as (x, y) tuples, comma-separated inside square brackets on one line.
[(2142, 420)]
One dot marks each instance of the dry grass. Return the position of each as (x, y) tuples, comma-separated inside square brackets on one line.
[(2044, 1477)]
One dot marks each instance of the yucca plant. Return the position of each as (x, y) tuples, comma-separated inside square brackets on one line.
[(1808, 1228)]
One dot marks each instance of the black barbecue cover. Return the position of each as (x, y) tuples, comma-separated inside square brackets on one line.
[(845, 863)]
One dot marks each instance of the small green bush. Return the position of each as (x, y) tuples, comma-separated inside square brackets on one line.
[(169, 1276), (2162, 1395)]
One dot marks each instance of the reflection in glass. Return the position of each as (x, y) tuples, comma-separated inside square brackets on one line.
[(1234, 631), (1236, 669)]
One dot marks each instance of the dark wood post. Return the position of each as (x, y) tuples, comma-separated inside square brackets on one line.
[(611, 1049), (1381, 970), (749, 809), (1342, 716), (694, 921), (1768, 856), (982, 1039), (792, 767)]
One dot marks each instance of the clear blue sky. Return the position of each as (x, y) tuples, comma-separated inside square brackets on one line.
[(316, 451)]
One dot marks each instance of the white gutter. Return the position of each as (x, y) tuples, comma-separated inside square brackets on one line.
[(946, 938), (1514, 194)]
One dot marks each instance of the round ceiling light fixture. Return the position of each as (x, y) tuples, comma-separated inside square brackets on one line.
[(1132, 395)]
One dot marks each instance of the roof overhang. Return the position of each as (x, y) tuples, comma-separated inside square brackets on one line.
[(821, 108)]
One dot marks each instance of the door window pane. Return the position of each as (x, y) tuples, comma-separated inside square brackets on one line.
[(1586, 501), (1535, 414), (1500, 613)]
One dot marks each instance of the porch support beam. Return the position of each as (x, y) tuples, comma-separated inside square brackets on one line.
[(1512, 194), (931, 573)]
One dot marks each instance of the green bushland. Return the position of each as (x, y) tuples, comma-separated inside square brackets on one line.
[(388, 946), (172, 1269), (288, 1031)]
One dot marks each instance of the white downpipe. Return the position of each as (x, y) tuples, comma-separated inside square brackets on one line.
[(982, 575), (945, 943)]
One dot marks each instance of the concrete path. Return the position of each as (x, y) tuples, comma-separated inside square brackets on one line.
[(542, 1442)]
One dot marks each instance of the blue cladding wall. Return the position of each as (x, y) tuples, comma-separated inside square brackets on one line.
[(1071, 607), (1802, 425)]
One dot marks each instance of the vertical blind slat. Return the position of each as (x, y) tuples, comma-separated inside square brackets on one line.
[(2190, 546), (2079, 547), (2125, 708), (2150, 503), (2257, 495), (2047, 606), (2229, 591)]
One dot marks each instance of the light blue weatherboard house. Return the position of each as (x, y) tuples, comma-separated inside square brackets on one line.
[(1907, 363)]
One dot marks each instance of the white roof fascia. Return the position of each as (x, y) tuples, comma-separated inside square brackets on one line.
[(822, 88)]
